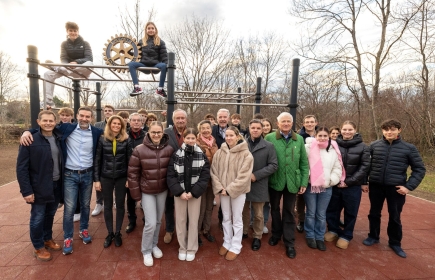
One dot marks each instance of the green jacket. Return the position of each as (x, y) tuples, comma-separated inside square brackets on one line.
[(292, 162)]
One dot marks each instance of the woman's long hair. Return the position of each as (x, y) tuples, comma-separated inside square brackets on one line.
[(325, 129), (146, 37), (108, 133)]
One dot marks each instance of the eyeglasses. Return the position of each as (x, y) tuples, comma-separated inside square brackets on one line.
[(156, 132)]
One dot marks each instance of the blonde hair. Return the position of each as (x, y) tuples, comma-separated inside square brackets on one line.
[(108, 133), (146, 37), (236, 131)]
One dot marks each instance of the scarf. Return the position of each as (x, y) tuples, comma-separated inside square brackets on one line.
[(197, 163), (317, 178), (208, 141)]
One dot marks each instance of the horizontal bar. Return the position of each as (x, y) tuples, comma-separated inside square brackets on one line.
[(229, 93), (240, 104)]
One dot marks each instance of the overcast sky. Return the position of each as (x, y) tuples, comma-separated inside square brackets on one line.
[(42, 22)]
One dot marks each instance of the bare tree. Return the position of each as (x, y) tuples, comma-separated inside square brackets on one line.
[(332, 37), (9, 77)]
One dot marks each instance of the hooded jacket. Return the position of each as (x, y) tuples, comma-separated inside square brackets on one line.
[(231, 169), (148, 166)]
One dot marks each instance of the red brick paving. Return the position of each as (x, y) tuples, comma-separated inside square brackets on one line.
[(92, 261)]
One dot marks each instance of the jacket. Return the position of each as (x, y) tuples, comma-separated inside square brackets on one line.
[(265, 164), (292, 162), (356, 160), (302, 132), (136, 141), (198, 188), (217, 136), (231, 170), (35, 168), (152, 54), (172, 138), (101, 125), (389, 163), (75, 51), (147, 168), (332, 169), (108, 165)]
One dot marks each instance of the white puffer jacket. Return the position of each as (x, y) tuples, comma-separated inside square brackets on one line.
[(331, 164)]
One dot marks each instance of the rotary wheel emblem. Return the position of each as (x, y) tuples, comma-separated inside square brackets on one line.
[(120, 50)]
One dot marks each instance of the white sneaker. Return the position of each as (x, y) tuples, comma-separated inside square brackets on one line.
[(265, 230), (190, 257), (148, 260), (97, 210), (76, 217), (157, 253), (181, 257), (214, 202)]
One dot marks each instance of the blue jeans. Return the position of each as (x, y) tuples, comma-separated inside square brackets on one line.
[(315, 216), (41, 219), (74, 185), (348, 198), (132, 66)]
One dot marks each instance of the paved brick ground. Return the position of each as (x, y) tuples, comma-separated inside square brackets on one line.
[(92, 261)]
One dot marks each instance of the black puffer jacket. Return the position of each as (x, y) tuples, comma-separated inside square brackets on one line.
[(78, 50), (390, 162), (108, 165), (136, 138), (356, 160), (152, 54)]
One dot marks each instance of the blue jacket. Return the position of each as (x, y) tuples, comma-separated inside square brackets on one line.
[(35, 168)]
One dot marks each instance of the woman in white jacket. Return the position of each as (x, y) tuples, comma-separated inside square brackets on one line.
[(326, 170)]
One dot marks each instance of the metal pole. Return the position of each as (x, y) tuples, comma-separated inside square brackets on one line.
[(294, 90), (171, 88), (258, 95), (76, 90), (98, 97), (239, 100), (33, 76)]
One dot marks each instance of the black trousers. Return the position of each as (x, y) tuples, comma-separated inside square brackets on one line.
[(107, 187), (395, 201), (131, 208), (169, 213), (286, 225)]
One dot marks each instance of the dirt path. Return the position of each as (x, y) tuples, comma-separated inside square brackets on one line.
[(8, 161)]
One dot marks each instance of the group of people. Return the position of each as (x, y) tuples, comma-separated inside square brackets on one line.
[(76, 51), (181, 169)]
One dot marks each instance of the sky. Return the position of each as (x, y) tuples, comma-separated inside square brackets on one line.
[(42, 22)]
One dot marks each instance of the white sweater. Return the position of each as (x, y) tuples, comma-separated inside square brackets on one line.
[(330, 162)]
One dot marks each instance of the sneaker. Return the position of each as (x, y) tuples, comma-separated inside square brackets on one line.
[(67, 246), (265, 230), (190, 257), (84, 235), (161, 92), (148, 260), (76, 217), (182, 257), (157, 253), (97, 210), (370, 241), (136, 91), (42, 255)]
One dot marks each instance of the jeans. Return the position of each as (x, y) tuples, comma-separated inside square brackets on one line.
[(75, 184), (153, 207), (315, 216), (286, 226), (395, 202), (348, 198), (41, 219), (107, 187), (132, 66)]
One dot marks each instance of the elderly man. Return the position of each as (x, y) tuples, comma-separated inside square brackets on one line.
[(290, 179), (218, 131), (176, 139), (136, 134)]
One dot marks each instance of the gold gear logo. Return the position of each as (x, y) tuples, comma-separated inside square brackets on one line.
[(120, 50)]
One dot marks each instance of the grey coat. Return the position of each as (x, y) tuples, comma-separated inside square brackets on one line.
[(172, 138), (265, 164), (101, 124)]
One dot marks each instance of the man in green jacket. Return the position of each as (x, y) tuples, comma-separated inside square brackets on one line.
[(290, 178)]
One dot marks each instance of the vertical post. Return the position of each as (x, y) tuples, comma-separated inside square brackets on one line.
[(76, 90), (294, 90), (239, 100), (258, 95), (33, 76), (98, 99), (171, 88)]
